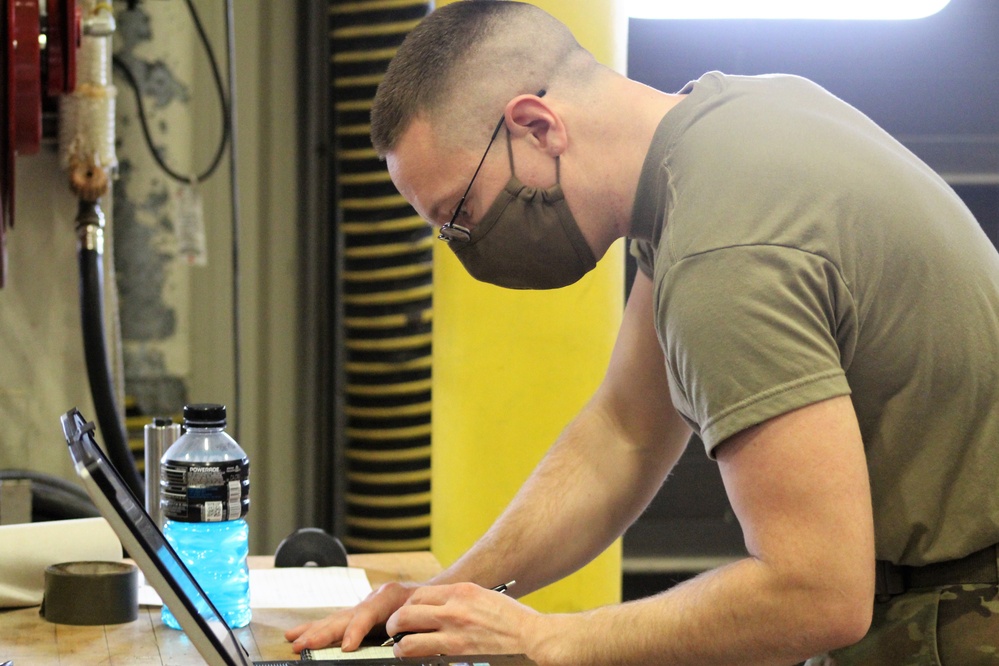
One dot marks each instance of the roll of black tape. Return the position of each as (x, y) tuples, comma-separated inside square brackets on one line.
[(90, 593)]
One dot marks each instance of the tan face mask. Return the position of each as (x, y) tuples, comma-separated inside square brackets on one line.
[(528, 239)]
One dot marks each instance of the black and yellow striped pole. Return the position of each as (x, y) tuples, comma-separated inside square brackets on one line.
[(386, 281)]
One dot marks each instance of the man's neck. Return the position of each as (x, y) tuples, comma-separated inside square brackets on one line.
[(620, 129)]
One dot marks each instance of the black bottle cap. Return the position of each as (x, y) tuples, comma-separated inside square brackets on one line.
[(204, 415)]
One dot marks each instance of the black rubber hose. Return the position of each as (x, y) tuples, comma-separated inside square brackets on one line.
[(52, 503), (47, 479), (53, 498), (99, 368)]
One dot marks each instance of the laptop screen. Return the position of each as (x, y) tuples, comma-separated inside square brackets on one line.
[(145, 544)]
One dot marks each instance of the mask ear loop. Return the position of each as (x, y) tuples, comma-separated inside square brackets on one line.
[(509, 152), (513, 172)]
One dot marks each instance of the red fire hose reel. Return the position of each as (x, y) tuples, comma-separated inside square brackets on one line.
[(39, 60)]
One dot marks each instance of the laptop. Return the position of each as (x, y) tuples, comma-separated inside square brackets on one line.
[(168, 575)]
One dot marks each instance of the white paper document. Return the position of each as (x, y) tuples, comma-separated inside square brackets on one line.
[(336, 654), (307, 587), (295, 587), (27, 549)]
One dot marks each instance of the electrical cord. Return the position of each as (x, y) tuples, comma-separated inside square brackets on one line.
[(228, 138), (120, 65)]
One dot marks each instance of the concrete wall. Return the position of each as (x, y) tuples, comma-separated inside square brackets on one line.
[(178, 332)]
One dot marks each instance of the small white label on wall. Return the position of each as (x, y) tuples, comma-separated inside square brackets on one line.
[(189, 217)]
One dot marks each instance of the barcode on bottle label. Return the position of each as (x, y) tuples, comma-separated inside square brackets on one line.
[(235, 498), (205, 492), (211, 512)]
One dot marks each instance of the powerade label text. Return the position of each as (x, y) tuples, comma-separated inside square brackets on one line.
[(205, 492)]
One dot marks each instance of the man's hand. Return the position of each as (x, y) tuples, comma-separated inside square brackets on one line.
[(462, 619), (349, 626)]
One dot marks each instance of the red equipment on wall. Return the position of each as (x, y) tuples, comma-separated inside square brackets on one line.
[(39, 61)]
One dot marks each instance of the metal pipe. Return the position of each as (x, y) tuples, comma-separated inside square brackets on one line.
[(159, 436)]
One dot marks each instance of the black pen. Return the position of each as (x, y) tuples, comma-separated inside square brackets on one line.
[(398, 637)]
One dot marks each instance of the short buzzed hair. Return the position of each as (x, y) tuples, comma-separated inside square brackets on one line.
[(462, 63)]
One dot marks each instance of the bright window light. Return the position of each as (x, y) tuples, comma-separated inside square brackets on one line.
[(784, 9)]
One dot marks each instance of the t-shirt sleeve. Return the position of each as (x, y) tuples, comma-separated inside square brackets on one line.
[(645, 256), (751, 333)]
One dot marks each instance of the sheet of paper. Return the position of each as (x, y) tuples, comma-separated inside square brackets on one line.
[(307, 587), (335, 654), (295, 587), (26, 549)]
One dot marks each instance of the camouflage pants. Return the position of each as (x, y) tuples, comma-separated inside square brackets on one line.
[(947, 626)]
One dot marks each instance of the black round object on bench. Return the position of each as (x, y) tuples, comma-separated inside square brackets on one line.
[(310, 546)]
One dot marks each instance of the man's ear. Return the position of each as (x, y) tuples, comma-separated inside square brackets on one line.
[(532, 117)]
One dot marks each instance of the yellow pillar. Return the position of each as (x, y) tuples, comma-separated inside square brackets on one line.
[(512, 368)]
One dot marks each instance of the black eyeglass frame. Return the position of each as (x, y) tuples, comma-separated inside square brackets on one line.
[(452, 231)]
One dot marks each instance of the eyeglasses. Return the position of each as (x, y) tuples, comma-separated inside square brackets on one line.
[(452, 231)]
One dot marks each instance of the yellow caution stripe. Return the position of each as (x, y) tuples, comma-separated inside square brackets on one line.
[(389, 249), (388, 501), (398, 455), (374, 30), (390, 321), (392, 273), (416, 409), (354, 105), (364, 56), (372, 5), (374, 367), (383, 434), (390, 478), (407, 523), (390, 297), (386, 545)]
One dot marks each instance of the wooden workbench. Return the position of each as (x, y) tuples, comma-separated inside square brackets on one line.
[(29, 640)]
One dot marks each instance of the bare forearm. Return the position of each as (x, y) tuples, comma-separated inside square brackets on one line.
[(745, 613), (798, 484)]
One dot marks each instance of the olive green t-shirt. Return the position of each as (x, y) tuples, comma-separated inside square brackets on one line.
[(798, 253)]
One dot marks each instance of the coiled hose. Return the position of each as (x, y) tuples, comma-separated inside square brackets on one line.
[(53, 498), (387, 296)]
